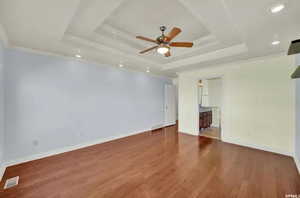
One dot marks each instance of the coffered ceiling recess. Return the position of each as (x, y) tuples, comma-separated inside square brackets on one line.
[(104, 31)]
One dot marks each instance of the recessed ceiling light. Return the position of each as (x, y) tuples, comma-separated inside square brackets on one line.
[(121, 65), (148, 70), (78, 56), (277, 8), (275, 42)]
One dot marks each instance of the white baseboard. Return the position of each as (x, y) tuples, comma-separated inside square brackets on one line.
[(297, 161), (188, 133), (69, 148), (169, 124), (2, 170), (259, 147)]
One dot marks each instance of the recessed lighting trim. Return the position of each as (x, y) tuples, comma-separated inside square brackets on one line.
[(78, 56), (277, 8), (121, 65), (148, 70), (275, 42)]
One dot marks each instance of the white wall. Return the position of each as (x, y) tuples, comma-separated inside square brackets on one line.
[(175, 83), (258, 103), (55, 102), (1, 109), (215, 99), (188, 113), (215, 92), (297, 138)]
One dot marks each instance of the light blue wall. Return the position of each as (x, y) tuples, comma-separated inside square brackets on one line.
[(1, 105), (297, 143), (54, 102)]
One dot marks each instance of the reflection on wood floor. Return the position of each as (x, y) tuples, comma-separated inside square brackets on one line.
[(211, 132), (158, 164)]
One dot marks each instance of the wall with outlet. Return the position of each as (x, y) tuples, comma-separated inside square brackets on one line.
[(1, 108), (54, 102)]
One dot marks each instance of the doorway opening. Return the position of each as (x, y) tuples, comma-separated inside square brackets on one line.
[(210, 103), (170, 105)]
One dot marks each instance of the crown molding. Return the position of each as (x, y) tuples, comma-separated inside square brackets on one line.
[(121, 34), (3, 36), (218, 54), (231, 64), (105, 48)]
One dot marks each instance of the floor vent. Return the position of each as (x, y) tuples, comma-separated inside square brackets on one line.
[(11, 182)]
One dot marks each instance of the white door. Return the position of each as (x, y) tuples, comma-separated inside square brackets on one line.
[(170, 108)]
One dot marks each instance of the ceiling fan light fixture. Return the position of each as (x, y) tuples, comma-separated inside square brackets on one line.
[(163, 42), (163, 49)]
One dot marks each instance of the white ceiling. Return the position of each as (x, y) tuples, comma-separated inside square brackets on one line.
[(104, 31)]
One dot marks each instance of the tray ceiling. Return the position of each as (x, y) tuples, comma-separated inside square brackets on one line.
[(104, 31)]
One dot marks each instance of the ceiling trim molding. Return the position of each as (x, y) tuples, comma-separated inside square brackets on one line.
[(44, 52), (213, 25), (3, 36), (191, 50), (107, 49), (218, 54), (204, 40), (106, 38), (233, 64), (121, 34), (118, 3)]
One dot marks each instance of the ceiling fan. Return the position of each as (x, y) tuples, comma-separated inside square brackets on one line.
[(164, 42)]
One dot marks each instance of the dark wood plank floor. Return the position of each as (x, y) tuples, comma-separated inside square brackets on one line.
[(163, 164)]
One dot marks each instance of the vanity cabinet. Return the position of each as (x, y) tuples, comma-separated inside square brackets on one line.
[(205, 119)]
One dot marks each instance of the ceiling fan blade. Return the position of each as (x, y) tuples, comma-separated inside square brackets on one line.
[(174, 32), (146, 39), (181, 44), (168, 54), (149, 49)]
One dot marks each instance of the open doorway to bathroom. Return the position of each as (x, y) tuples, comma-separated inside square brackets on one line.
[(210, 103)]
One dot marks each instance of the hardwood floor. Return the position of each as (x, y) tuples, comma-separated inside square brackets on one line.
[(212, 132), (162, 164)]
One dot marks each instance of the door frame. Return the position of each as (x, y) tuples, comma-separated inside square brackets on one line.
[(222, 101)]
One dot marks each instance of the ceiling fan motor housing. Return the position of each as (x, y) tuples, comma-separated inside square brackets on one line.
[(162, 39)]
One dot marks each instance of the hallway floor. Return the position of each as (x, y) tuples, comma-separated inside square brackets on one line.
[(212, 132)]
